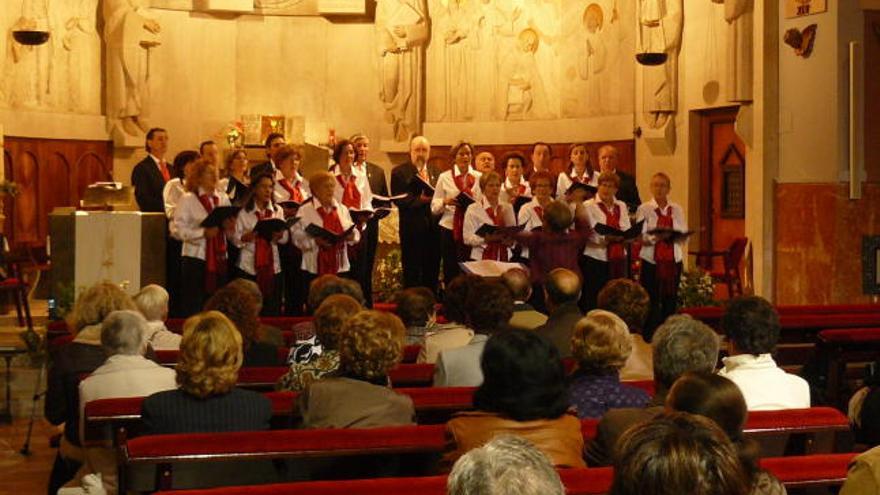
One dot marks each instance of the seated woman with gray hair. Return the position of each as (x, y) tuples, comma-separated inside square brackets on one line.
[(126, 373), (152, 302), (507, 464), (601, 344)]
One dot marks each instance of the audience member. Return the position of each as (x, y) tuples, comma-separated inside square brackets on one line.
[(525, 316), (681, 344), (267, 333), (488, 307), (523, 394), (329, 319), (126, 373), (455, 332), (370, 345), (675, 454), (719, 399), (507, 464), (305, 341), (863, 477), (67, 363), (601, 344), (207, 370), (752, 328), (241, 309), (416, 308), (152, 302), (630, 301), (562, 290)]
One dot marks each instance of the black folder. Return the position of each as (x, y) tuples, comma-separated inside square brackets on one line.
[(331, 237), (289, 205), (671, 234), (218, 215), (629, 234), (463, 200), (584, 187), (386, 201), (521, 201), (419, 186), (488, 229), (266, 228)]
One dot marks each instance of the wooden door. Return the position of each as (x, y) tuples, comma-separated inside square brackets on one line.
[(722, 182)]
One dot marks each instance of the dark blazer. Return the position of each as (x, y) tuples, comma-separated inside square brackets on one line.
[(261, 354), (262, 168), (175, 411), (412, 210), (378, 185), (235, 190), (559, 327), (148, 185), (68, 363), (376, 176), (628, 191), (419, 234)]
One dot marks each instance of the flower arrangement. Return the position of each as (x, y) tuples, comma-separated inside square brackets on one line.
[(389, 275), (696, 289), (235, 135)]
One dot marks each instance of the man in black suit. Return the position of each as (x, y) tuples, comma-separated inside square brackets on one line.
[(150, 175), (274, 142), (419, 234), (378, 185), (628, 191)]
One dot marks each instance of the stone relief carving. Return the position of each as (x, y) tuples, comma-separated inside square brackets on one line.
[(738, 14), (26, 69), (660, 27), (402, 29), (130, 33)]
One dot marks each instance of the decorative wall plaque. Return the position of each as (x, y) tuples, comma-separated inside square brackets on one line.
[(800, 8)]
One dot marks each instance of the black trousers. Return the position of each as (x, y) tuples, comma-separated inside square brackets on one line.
[(271, 301), (595, 277), (357, 259), (192, 283), (370, 244), (172, 276), (295, 287), (451, 254), (662, 307), (420, 253)]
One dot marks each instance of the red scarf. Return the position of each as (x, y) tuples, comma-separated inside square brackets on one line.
[(215, 249), (574, 178), (264, 259), (465, 183), (616, 252), (329, 258), (351, 196), (292, 190), (540, 212), (664, 256), (495, 250)]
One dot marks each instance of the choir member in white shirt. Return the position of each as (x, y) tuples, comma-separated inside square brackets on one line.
[(515, 184), (353, 191), (171, 194), (235, 184), (259, 260), (320, 257), (290, 186), (531, 215), (661, 256), (604, 256), (203, 265), (489, 210), (461, 178), (580, 169)]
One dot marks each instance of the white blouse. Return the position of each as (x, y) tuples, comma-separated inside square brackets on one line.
[(647, 212), (475, 217), (362, 184), (530, 219), (187, 219), (280, 194), (171, 194), (596, 245), (564, 181), (246, 222), (446, 189), (308, 215), (508, 198)]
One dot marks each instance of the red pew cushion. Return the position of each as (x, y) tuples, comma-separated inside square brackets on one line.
[(785, 420), (809, 469)]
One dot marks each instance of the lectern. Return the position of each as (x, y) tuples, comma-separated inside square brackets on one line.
[(123, 247)]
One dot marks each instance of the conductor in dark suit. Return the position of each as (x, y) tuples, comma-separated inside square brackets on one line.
[(274, 142), (628, 191), (419, 233), (150, 175), (378, 185)]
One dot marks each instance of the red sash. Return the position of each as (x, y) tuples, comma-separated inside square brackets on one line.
[(264, 259), (615, 251), (215, 249), (465, 183), (351, 196), (329, 258), (292, 190), (664, 256), (495, 250), (163, 167), (540, 213)]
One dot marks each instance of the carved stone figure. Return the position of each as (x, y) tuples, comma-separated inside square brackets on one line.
[(660, 26), (402, 32), (495, 37), (26, 74), (461, 41), (544, 19), (520, 93), (593, 61), (130, 32), (76, 64), (738, 14)]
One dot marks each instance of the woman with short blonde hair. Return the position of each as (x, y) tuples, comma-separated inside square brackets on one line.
[(207, 370), (370, 345), (601, 344)]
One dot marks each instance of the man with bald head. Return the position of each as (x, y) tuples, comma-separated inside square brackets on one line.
[(525, 316), (562, 289), (419, 233), (628, 192)]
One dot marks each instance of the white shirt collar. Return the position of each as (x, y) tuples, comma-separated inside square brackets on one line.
[(749, 361)]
